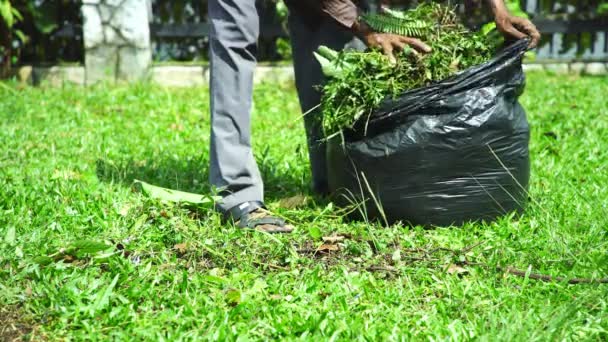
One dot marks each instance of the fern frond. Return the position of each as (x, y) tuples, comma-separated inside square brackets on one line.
[(394, 25)]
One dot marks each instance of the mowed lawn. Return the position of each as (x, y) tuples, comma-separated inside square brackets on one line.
[(68, 157)]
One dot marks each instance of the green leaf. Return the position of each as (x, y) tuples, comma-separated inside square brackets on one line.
[(214, 279), (89, 247), (281, 9), (315, 233), (141, 220), (22, 37), (103, 298), (329, 69), (9, 237), (327, 53), (45, 16), (43, 260), (6, 13), (514, 8), (16, 14), (46, 28), (487, 28), (176, 196), (234, 297)]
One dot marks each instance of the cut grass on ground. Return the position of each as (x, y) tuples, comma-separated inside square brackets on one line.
[(68, 160)]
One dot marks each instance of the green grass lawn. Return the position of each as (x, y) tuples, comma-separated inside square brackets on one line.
[(68, 158)]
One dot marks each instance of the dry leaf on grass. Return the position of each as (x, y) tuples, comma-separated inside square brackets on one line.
[(333, 239), (293, 202), (181, 247), (455, 269), (66, 174), (124, 210), (177, 127), (327, 248)]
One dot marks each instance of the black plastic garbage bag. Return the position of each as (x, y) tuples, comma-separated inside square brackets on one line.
[(452, 152)]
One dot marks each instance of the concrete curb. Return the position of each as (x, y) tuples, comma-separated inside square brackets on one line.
[(198, 75), (578, 68)]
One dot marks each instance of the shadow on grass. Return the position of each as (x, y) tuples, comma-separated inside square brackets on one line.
[(192, 175)]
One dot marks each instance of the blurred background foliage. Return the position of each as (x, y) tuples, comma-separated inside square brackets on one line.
[(40, 31), (50, 31)]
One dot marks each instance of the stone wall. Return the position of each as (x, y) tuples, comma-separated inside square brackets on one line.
[(116, 40)]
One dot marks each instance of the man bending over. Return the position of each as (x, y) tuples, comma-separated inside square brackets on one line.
[(233, 40)]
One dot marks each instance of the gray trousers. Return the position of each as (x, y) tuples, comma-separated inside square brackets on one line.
[(233, 38)]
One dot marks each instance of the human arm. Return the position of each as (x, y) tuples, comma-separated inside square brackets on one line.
[(512, 26), (346, 13)]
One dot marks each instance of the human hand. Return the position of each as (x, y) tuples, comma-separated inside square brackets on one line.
[(388, 43), (516, 27)]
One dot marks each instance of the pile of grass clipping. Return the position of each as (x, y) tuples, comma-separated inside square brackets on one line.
[(359, 81)]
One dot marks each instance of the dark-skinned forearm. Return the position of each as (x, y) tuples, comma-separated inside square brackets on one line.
[(498, 8), (345, 12)]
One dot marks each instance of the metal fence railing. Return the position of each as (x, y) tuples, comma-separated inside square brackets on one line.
[(572, 29)]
